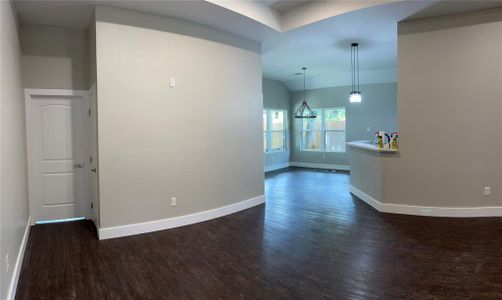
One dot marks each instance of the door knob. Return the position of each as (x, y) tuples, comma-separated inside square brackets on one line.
[(93, 170), (77, 166)]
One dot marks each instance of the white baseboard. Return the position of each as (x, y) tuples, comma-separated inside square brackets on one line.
[(276, 167), (11, 294), (366, 198), (138, 228), (429, 211), (320, 166)]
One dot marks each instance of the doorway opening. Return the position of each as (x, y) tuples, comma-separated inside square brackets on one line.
[(59, 140)]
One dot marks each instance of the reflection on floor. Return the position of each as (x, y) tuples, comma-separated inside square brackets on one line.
[(312, 240)]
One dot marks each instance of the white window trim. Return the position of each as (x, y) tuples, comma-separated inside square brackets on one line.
[(269, 131), (323, 131)]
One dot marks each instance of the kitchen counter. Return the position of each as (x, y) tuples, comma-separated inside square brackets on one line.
[(368, 145), (367, 169)]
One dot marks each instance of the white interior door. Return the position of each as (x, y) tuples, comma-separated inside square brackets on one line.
[(57, 149)]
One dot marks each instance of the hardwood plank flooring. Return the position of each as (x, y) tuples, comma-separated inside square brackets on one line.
[(312, 240)]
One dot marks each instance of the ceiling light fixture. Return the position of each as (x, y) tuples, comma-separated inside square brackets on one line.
[(355, 94), (304, 111)]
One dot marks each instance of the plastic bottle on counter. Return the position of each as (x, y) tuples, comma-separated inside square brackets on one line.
[(394, 140)]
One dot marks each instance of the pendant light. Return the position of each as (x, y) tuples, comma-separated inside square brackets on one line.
[(304, 111), (355, 94)]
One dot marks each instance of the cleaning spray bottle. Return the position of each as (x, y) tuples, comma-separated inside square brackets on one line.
[(394, 138), (379, 140)]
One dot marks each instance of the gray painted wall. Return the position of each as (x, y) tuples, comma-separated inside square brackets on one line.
[(93, 179), (91, 34), (276, 96), (200, 141), (14, 208), (55, 57), (366, 171), (377, 110), (450, 113)]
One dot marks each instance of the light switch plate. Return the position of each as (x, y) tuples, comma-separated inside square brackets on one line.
[(487, 191)]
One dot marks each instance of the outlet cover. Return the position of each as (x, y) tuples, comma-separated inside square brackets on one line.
[(173, 201)]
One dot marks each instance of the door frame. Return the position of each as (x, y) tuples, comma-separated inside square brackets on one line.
[(31, 95)]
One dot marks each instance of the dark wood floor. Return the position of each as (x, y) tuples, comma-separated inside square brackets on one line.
[(312, 240)]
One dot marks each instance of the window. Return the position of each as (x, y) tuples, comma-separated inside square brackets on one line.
[(274, 130), (326, 132)]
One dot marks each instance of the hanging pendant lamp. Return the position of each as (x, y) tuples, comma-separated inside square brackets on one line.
[(355, 94), (304, 111)]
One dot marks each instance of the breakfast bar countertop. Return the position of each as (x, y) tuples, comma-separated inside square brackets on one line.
[(368, 145)]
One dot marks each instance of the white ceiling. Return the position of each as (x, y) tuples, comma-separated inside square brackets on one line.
[(56, 13), (324, 47), (293, 33), (283, 6), (75, 13), (449, 7)]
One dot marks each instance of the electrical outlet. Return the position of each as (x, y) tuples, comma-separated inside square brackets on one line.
[(173, 201), (7, 263), (487, 191)]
